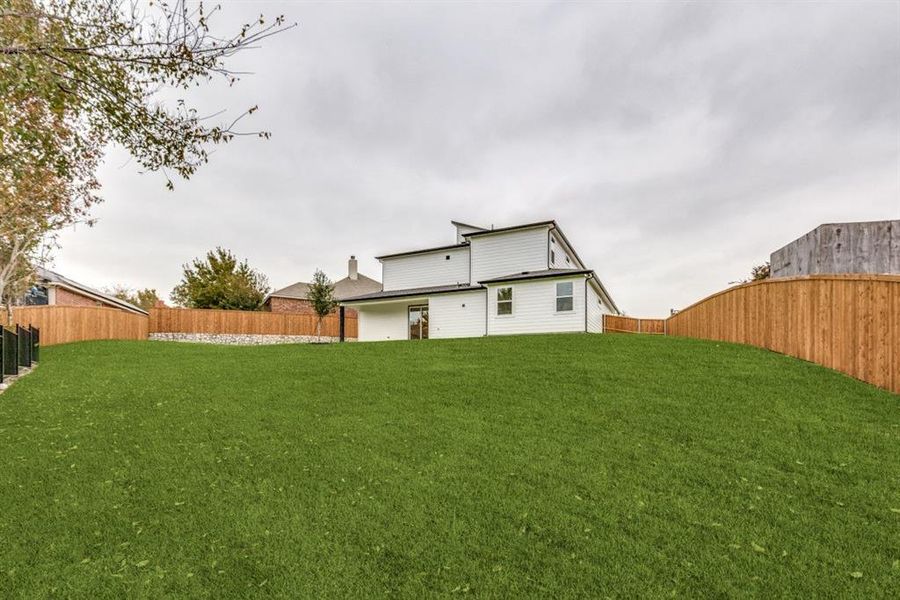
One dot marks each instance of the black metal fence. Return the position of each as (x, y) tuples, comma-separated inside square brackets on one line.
[(19, 348)]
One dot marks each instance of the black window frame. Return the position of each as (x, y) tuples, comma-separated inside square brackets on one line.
[(570, 297)]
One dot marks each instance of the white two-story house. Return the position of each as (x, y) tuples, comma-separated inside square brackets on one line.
[(521, 279)]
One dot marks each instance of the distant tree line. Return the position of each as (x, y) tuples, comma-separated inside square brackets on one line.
[(222, 280)]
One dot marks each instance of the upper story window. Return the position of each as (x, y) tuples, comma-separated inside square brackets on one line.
[(552, 258), (564, 300), (504, 301)]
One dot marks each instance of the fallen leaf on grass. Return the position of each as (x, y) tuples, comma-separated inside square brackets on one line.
[(756, 547)]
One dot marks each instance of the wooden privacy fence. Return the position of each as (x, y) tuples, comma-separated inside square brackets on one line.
[(620, 324), (62, 324), (850, 323), (190, 320)]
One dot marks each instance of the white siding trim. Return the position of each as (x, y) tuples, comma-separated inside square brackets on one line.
[(509, 252), (534, 307), (428, 269), (594, 311), (384, 322), (560, 252), (456, 315)]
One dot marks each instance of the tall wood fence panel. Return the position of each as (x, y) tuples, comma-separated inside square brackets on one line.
[(621, 324), (195, 320), (848, 323), (63, 324)]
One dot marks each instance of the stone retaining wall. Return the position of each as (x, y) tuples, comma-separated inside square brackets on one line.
[(239, 338)]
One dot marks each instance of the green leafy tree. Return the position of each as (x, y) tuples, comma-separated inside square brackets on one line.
[(101, 66), (759, 272), (321, 297), (76, 75), (145, 298), (221, 281)]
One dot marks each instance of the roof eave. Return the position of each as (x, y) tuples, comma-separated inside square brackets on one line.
[(532, 276), (119, 304), (604, 292), (411, 294), (534, 225), (423, 251)]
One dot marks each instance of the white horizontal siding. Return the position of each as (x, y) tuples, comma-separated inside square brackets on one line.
[(456, 315), (559, 257), (534, 308), (462, 230), (508, 252), (594, 311), (379, 322), (426, 270)]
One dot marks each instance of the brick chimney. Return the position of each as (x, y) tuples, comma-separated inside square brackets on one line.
[(353, 272)]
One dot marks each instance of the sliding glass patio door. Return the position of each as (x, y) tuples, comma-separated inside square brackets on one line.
[(418, 322)]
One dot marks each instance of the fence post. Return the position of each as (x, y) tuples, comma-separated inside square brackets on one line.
[(24, 342), (35, 343), (341, 334), (11, 353)]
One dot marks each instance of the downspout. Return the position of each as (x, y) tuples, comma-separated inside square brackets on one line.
[(585, 302), (486, 289), (549, 229)]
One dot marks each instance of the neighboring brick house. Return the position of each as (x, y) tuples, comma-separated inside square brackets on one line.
[(55, 290), (292, 299)]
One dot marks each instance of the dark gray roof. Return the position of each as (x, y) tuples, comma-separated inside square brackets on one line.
[(510, 228), (423, 291), (344, 288), (460, 223), (536, 275), (49, 277), (423, 251)]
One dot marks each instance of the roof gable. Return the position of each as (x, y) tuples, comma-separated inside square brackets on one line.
[(52, 278), (343, 288)]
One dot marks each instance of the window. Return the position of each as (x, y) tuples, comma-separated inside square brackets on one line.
[(37, 296), (564, 300), (552, 257), (418, 322), (504, 301)]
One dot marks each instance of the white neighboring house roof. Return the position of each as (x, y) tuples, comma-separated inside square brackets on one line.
[(50, 278)]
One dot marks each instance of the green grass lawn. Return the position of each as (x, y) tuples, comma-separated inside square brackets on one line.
[(543, 466)]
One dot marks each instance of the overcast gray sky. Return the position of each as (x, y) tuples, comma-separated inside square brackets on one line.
[(677, 145)]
